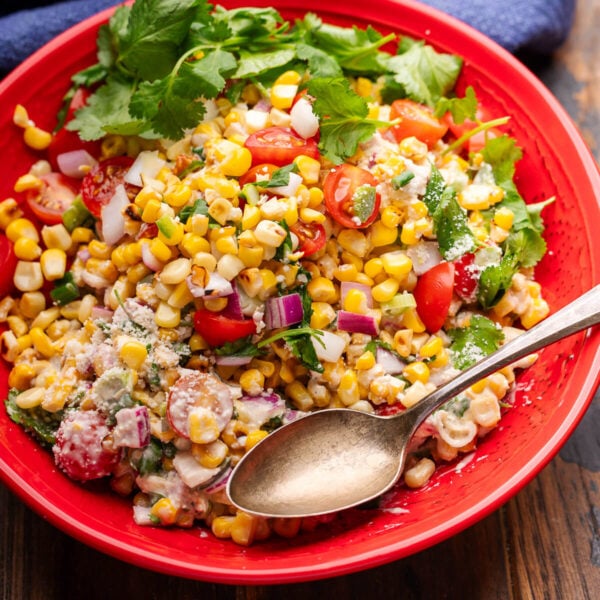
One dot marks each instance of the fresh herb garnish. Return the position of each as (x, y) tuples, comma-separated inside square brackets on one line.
[(242, 347), (461, 109), (279, 178), (399, 181), (200, 207), (470, 344), (65, 290)]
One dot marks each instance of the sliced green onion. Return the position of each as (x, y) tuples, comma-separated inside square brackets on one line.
[(77, 215), (398, 304), (65, 290), (401, 180)]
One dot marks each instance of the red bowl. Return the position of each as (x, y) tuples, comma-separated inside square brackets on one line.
[(551, 397)]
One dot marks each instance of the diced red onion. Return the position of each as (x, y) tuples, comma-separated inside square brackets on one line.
[(346, 286), (263, 105), (234, 304), (303, 120), (391, 364), (75, 163), (133, 427), (149, 259), (329, 346), (83, 254), (113, 220), (232, 361), (146, 166), (283, 311), (356, 323), (101, 312), (220, 483), (424, 256)]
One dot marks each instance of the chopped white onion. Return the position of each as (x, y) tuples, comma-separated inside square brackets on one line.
[(217, 287), (303, 120), (192, 473), (113, 220), (75, 163), (146, 166), (133, 427), (391, 364), (329, 346), (149, 259), (290, 189), (424, 256)]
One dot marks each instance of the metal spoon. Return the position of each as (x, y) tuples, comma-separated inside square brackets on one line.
[(338, 458)]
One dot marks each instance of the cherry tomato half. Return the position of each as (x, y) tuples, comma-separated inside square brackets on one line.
[(218, 329), (8, 264), (261, 172), (99, 185), (466, 277), (279, 146), (64, 140), (50, 202), (433, 295), (311, 237), (350, 196), (477, 141), (416, 120)]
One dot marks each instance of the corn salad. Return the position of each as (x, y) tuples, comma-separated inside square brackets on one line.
[(223, 307)]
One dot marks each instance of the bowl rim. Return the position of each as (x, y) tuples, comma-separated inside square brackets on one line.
[(265, 575)]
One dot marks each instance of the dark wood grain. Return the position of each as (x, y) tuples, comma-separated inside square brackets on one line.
[(543, 544)]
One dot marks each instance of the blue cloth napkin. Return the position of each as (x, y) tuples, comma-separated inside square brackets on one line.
[(538, 26)]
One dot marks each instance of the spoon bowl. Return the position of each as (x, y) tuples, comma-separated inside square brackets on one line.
[(334, 459)]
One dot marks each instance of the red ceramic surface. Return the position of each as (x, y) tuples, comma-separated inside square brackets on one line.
[(550, 399)]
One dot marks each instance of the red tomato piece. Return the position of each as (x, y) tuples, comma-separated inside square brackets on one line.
[(8, 264), (466, 277), (344, 189), (79, 450), (54, 197), (99, 185), (279, 146), (433, 295), (311, 237), (64, 140), (261, 172), (416, 120), (477, 141), (218, 329)]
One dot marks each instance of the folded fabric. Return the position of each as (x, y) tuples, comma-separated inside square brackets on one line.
[(533, 25)]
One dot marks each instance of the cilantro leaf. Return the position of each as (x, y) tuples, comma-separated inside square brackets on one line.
[(280, 177), (150, 46), (320, 64), (343, 117), (471, 344), (420, 73), (200, 207), (461, 109), (496, 279)]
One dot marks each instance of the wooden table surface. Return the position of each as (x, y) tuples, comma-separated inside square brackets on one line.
[(544, 543)]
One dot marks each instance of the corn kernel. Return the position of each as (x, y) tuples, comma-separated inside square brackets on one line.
[(416, 371), (252, 382), (348, 390), (386, 290), (408, 235), (27, 249), (9, 212), (356, 301), (538, 310), (309, 168), (354, 241), (53, 263), (299, 395), (391, 217), (381, 235), (397, 264), (504, 218), (411, 320), (22, 228), (322, 315), (57, 236), (30, 398), (254, 437), (210, 455), (221, 526), (42, 343), (133, 354), (164, 511), (321, 289), (28, 276), (167, 316), (28, 182), (365, 361), (432, 347)]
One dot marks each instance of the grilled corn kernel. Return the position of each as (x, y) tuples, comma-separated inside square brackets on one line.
[(354, 241), (53, 263), (32, 303), (299, 395), (419, 475), (411, 320), (391, 217), (30, 398), (416, 371), (42, 343), (432, 347), (321, 289), (210, 455), (20, 377), (381, 235), (175, 271), (9, 212), (348, 390), (252, 382)]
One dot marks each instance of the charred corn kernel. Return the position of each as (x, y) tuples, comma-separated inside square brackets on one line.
[(28, 182), (322, 315), (30, 398), (219, 210), (504, 218), (102, 268), (137, 272), (9, 347), (27, 249), (254, 437), (151, 211), (32, 303), (416, 371), (397, 264), (28, 276), (204, 260), (382, 235), (9, 212), (538, 310), (57, 236), (252, 381), (321, 289), (210, 455), (164, 511), (432, 347), (160, 250), (365, 361), (270, 234), (251, 217), (229, 266), (347, 272), (408, 235), (356, 302), (251, 256), (53, 263), (82, 235), (221, 526), (411, 320), (391, 217), (309, 169), (22, 228), (42, 343), (419, 475), (348, 391), (37, 138), (167, 316), (386, 290), (299, 395), (175, 271), (133, 354), (178, 196), (354, 241)]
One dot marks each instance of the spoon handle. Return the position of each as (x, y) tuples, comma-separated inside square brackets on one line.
[(575, 316)]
